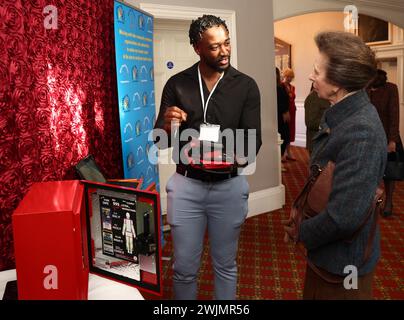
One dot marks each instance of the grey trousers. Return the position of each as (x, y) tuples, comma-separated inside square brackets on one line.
[(193, 205)]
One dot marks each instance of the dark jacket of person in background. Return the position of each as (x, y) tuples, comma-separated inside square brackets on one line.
[(385, 99), (314, 108), (283, 109)]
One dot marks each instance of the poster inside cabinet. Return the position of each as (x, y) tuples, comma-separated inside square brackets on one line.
[(123, 228)]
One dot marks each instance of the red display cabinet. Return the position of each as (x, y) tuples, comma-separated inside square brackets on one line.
[(51, 260)]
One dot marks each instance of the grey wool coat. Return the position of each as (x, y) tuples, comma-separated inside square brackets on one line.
[(353, 137)]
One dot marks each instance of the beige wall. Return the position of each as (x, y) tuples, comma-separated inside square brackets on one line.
[(255, 57), (299, 32)]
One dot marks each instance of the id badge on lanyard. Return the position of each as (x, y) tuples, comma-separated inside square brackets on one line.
[(208, 132)]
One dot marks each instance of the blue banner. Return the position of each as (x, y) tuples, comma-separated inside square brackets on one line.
[(135, 79)]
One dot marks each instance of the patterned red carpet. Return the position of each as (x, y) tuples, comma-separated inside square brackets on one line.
[(271, 269)]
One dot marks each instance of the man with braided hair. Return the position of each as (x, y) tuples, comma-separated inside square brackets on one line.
[(209, 97)]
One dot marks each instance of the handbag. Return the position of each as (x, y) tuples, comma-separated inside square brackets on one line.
[(313, 199), (320, 189), (395, 166)]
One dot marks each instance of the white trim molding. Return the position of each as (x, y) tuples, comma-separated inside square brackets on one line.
[(300, 135), (266, 200), (300, 140), (165, 12)]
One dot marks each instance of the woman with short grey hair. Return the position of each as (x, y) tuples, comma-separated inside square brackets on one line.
[(351, 136)]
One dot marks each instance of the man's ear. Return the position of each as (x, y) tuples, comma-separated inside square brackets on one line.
[(197, 49)]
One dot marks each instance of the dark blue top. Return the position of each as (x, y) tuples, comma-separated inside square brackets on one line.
[(352, 136)]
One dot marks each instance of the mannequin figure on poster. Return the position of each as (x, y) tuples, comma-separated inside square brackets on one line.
[(135, 74), (128, 231)]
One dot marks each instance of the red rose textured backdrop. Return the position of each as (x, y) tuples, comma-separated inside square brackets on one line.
[(58, 98)]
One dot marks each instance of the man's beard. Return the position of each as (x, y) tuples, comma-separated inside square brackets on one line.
[(217, 67)]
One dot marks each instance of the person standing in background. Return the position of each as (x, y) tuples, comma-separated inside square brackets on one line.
[(314, 108), (283, 113), (288, 76), (384, 96)]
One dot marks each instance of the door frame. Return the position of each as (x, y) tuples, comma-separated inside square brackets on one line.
[(168, 12)]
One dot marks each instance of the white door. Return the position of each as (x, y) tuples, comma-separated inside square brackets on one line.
[(172, 54)]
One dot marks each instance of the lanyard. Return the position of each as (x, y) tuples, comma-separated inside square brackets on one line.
[(205, 106)]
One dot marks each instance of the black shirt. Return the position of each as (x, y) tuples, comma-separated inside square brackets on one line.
[(283, 104), (235, 103)]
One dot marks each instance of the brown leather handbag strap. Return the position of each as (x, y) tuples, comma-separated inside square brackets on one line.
[(373, 212), (377, 207), (301, 198), (376, 203)]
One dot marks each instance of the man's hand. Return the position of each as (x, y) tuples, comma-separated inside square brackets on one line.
[(391, 147), (173, 117)]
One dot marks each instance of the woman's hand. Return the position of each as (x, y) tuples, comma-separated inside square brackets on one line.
[(291, 227), (391, 147), (289, 230)]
